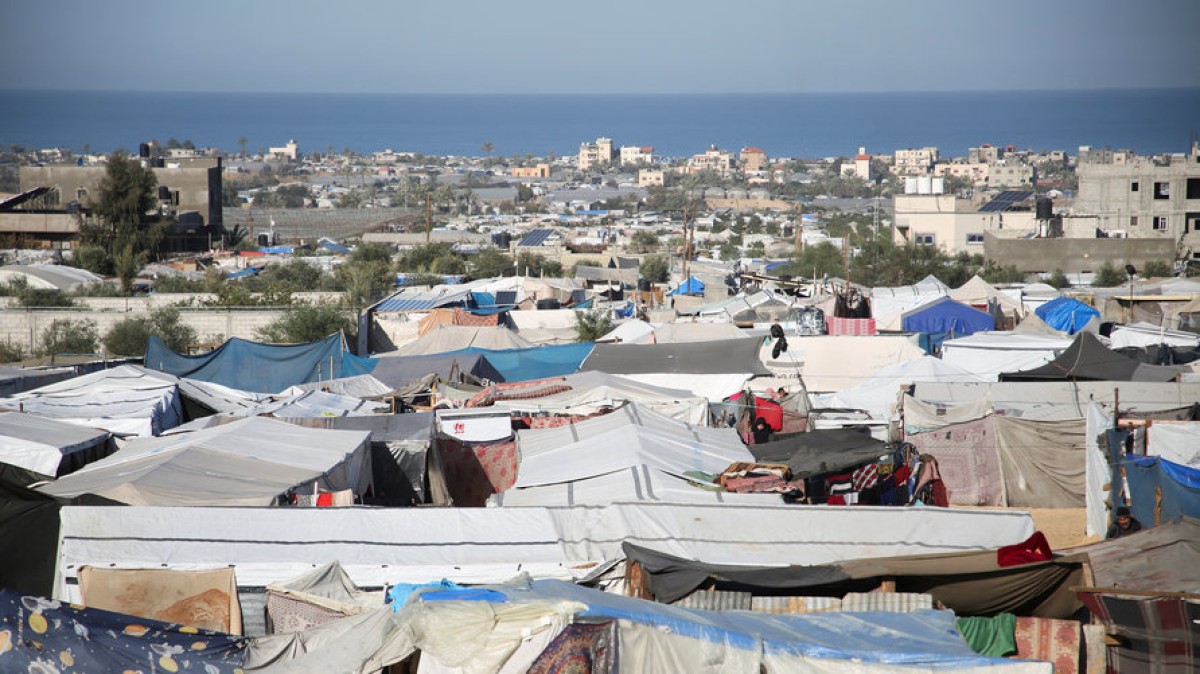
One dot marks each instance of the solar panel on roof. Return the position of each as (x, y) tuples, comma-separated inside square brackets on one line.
[(536, 238), (1005, 200)]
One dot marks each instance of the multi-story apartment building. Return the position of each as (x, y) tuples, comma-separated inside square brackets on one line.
[(753, 160), (984, 154), (1001, 174), (958, 225), (1145, 197), (636, 154), (914, 162), (651, 178), (592, 155), (713, 159)]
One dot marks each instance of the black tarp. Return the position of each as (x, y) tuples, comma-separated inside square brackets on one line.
[(821, 451), (723, 356), (78, 640), (28, 538), (970, 583), (1088, 359)]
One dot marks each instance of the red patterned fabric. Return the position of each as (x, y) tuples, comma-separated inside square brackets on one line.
[(1055, 641), (865, 477), (968, 460), (850, 326), (464, 317), (475, 472), (1159, 635)]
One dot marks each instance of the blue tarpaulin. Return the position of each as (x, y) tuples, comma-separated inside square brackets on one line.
[(1180, 487), (536, 362), (261, 368), (693, 286), (1066, 314), (38, 631), (484, 304), (276, 250), (242, 273), (947, 316), (396, 371)]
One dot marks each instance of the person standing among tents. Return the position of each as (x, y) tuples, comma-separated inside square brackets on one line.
[(1126, 524), (761, 431)]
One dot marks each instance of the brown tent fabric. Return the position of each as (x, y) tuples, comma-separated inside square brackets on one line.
[(1042, 461), (204, 599)]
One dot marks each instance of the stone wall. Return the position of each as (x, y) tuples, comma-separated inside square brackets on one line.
[(1076, 255)]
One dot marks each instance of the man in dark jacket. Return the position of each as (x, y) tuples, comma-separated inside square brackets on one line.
[(1126, 524)]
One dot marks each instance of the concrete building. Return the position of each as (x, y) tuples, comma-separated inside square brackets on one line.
[(1142, 197), (651, 178), (957, 225), (984, 154), (1002, 174), (914, 162), (713, 159), (636, 154), (189, 190), (860, 167), (592, 155), (289, 152), (753, 160), (539, 171)]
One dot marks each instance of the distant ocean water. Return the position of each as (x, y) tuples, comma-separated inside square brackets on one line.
[(791, 125)]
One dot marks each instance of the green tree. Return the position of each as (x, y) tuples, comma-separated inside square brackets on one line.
[(1058, 280), (644, 241), (124, 233), (490, 264), (421, 258), (31, 297), (655, 268), (66, 336), (1108, 276), (592, 324), (10, 353), (1156, 269), (130, 336), (305, 323), (729, 251)]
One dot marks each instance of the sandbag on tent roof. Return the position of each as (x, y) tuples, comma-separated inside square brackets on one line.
[(1088, 359), (947, 316), (262, 368), (127, 400), (631, 436), (451, 338), (821, 451), (592, 390), (1066, 314), (247, 462), (47, 446), (726, 356)]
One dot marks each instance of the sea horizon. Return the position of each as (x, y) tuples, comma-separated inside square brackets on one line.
[(806, 125)]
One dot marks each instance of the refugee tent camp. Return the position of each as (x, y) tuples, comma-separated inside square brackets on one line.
[(252, 461)]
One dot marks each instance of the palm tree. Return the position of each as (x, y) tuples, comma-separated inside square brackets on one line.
[(487, 148), (242, 142)]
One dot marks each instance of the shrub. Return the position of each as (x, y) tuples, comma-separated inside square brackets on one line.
[(65, 336), (304, 323), (130, 336)]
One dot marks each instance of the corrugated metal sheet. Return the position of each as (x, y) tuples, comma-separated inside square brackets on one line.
[(716, 600), (795, 604), (892, 602), (254, 610)]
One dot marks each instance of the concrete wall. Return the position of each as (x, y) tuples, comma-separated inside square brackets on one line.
[(1075, 255), (24, 327)]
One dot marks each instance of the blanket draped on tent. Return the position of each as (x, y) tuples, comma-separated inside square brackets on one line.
[(262, 368)]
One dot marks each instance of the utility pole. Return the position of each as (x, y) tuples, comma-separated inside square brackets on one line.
[(428, 218), (799, 229)]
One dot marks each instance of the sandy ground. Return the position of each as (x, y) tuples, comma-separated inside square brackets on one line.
[(1063, 527)]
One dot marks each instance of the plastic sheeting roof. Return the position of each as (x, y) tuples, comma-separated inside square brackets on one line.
[(726, 356), (246, 462), (39, 444), (946, 315), (880, 394), (1066, 314), (538, 362), (127, 400), (1087, 358), (592, 390), (262, 368), (629, 437), (451, 338)]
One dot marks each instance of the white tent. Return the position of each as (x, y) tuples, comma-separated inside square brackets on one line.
[(887, 304), (841, 362), (247, 462), (629, 437), (978, 293), (592, 391), (1142, 334), (544, 326), (446, 338), (635, 484), (879, 394), (47, 446), (989, 354), (631, 331), (482, 545), (127, 400)]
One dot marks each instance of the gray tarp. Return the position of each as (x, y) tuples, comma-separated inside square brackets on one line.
[(1042, 462), (820, 451), (726, 356)]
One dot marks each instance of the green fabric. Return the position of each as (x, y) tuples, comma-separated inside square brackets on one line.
[(994, 637)]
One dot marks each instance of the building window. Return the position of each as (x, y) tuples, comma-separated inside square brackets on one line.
[(1193, 188), (1160, 222), (923, 239), (1133, 220), (974, 238), (1162, 190), (1134, 186)]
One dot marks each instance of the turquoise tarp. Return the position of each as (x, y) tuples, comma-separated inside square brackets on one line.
[(1180, 487), (536, 362), (261, 368)]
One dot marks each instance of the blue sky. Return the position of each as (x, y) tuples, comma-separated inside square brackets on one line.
[(605, 46)]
